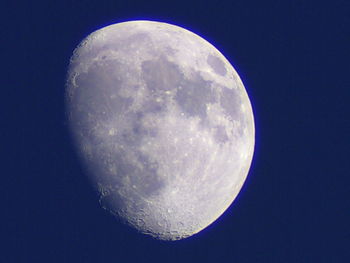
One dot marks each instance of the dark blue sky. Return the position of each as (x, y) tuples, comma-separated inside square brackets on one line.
[(293, 57)]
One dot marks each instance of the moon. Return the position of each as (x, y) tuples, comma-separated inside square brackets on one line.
[(163, 125)]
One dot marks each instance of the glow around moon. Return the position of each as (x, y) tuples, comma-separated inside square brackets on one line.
[(162, 123)]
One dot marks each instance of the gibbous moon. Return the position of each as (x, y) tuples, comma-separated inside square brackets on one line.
[(163, 126)]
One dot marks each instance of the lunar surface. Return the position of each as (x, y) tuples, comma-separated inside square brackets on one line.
[(163, 126)]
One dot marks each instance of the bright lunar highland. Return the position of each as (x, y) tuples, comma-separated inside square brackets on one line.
[(163, 126)]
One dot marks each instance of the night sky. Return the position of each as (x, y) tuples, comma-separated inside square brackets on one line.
[(294, 59)]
